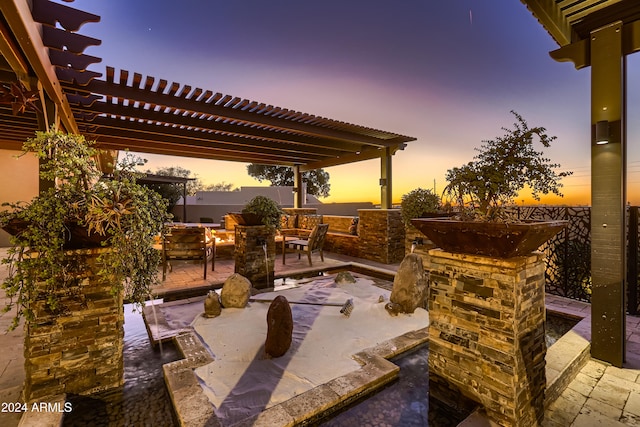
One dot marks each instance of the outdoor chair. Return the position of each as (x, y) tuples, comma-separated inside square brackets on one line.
[(313, 243), (184, 244)]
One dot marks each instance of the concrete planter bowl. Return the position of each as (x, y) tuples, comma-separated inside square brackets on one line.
[(492, 239)]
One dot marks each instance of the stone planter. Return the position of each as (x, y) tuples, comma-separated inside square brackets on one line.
[(246, 218), (76, 236), (249, 255), (493, 239), (80, 350), (486, 332)]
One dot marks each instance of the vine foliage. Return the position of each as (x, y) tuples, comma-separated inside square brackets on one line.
[(115, 213)]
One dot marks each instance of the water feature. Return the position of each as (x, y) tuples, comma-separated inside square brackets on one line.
[(266, 261), (406, 402), (143, 400)]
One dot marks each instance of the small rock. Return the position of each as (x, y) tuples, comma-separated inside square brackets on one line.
[(392, 308), (236, 291), (212, 307), (381, 298), (344, 277), (279, 327)]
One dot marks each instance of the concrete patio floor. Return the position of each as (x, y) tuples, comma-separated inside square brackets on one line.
[(599, 395)]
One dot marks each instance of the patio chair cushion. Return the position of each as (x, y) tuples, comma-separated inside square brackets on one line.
[(307, 222), (288, 221)]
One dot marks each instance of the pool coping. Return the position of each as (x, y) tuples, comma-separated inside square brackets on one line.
[(193, 408), (564, 359)]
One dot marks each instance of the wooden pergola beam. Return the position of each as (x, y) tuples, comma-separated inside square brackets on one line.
[(26, 31)]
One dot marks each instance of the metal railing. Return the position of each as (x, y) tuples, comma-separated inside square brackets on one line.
[(568, 254)]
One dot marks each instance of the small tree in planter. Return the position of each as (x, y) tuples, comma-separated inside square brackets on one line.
[(265, 210), (504, 166), (78, 249), (255, 246)]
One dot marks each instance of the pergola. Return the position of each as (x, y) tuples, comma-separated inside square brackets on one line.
[(600, 34), (44, 72)]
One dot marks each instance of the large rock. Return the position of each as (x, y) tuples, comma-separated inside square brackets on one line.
[(236, 291), (279, 327), (410, 286)]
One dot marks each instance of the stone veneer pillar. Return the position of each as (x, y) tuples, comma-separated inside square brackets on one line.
[(381, 233), (486, 333), (250, 257), (79, 352)]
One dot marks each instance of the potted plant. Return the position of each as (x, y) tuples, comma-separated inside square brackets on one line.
[(260, 210), (80, 210), (482, 188)]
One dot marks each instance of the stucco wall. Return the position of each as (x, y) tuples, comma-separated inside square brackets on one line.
[(18, 181)]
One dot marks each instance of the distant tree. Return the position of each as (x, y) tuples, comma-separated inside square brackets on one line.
[(173, 192), (317, 180), (219, 186)]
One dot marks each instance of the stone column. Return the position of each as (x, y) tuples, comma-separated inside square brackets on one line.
[(381, 233), (79, 351), (250, 259), (486, 335)]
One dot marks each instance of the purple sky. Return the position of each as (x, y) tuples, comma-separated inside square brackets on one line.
[(445, 72)]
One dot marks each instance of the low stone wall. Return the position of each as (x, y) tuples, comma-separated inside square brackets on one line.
[(486, 334), (338, 224), (381, 233), (81, 351), (342, 243)]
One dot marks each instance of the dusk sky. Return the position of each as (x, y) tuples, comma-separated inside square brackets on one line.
[(444, 72)]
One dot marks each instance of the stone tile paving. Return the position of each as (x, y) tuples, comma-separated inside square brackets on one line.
[(600, 395)]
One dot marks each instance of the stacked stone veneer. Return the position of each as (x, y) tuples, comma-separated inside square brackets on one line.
[(381, 233), (486, 334), (79, 352), (249, 256)]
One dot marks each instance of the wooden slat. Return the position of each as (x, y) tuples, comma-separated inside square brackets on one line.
[(137, 78), (148, 83), (172, 90)]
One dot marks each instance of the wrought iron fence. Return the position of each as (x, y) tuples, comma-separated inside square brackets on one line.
[(568, 254)]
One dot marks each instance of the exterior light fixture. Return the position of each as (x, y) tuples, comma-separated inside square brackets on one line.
[(602, 132)]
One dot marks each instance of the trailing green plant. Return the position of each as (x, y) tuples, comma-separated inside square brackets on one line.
[(124, 215), (417, 203), (504, 166), (265, 208)]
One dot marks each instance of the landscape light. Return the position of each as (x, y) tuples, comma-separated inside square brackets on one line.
[(602, 132)]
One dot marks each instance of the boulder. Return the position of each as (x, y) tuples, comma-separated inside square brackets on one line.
[(410, 286), (236, 291), (279, 327), (212, 307)]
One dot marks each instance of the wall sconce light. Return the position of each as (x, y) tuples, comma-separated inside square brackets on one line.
[(602, 132)]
